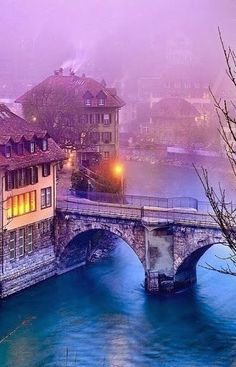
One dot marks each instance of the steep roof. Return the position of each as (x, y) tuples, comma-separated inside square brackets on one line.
[(173, 108), (13, 129), (74, 88)]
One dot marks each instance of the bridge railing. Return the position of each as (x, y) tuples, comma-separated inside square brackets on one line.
[(127, 211), (138, 200), (179, 215)]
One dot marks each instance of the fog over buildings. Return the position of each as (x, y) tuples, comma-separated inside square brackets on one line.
[(115, 40)]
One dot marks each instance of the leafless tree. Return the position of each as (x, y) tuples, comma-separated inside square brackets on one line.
[(56, 110), (224, 210)]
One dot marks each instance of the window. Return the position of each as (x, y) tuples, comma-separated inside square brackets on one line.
[(106, 155), (9, 180), (30, 239), (94, 137), (21, 204), (12, 245), (88, 102), (101, 102), (98, 118), (46, 226), (106, 137), (33, 175), (32, 147), (91, 119), (21, 241), (20, 148), (8, 151), (46, 169), (84, 119), (46, 197), (44, 145), (106, 119), (21, 177)]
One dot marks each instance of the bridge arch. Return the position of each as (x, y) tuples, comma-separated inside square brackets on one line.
[(77, 238), (186, 272)]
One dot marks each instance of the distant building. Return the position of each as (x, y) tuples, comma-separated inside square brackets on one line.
[(174, 122), (79, 112), (28, 164)]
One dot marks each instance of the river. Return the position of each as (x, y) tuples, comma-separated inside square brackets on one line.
[(101, 316)]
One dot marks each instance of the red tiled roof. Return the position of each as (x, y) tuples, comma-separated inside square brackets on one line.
[(174, 108), (74, 88), (53, 154), (12, 129)]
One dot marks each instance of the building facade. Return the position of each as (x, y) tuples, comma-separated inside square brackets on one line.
[(28, 165), (80, 113)]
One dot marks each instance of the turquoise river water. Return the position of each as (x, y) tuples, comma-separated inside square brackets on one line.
[(100, 316)]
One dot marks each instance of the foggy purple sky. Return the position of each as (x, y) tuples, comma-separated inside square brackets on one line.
[(109, 37)]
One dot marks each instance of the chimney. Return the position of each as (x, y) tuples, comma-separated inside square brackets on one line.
[(60, 71), (72, 72), (103, 82)]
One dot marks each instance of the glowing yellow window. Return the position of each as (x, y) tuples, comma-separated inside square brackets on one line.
[(21, 204), (32, 201), (9, 207), (15, 206), (27, 202)]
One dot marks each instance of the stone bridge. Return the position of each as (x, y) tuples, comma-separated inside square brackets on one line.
[(168, 242)]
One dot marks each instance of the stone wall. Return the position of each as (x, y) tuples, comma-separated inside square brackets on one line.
[(31, 267)]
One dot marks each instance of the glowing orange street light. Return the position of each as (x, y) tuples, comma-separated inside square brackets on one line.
[(119, 171)]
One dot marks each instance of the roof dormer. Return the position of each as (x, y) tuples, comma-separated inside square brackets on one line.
[(101, 98), (88, 98)]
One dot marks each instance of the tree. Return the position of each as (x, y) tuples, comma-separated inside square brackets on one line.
[(102, 178), (56, 110), (224, 210)]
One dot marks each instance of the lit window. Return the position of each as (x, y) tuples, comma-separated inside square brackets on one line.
[(15, 206), (9, 207), (45, 145), (8, 151), (21, 241), (27, 202), (46, 197), (21, 204), (12, 245)]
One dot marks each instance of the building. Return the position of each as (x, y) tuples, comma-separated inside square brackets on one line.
[(174, 122), (28, 164), (80, 113)]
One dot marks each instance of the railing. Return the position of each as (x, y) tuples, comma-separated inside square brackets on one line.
[(128, 211), (140, 201)]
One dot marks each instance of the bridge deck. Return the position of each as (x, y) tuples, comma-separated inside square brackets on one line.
[(127, 211)]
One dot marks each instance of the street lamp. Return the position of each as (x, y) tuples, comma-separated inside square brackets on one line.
[(119, 171)]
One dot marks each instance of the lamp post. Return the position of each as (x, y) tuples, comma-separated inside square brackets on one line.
[(119, 171)]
